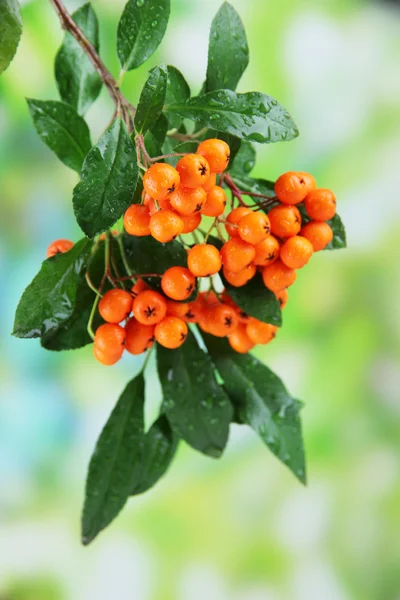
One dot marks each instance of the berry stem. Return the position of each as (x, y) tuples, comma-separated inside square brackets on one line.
[(125, 262), (147, 358), (207, 235), (92, 287), (156, 158)]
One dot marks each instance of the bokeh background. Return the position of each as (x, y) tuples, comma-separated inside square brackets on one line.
[(241, 528)]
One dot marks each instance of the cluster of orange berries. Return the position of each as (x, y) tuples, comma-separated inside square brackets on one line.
[(174, 199)]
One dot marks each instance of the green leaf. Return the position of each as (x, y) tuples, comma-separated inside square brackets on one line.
[(196, 406), (256, 300), (339, 234), (155, 136), (257, 186), (244, 161), (10, 31), (159, 447), (228, 52), (62, 130), (108, 181), (262, 401), (177, 91), (140, 31), (114, 462), (78, 81), (253, 116), (50, 299), (151, 99), (146, 255)]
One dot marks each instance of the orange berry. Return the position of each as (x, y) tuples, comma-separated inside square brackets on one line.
[(211, 181), (206, 300), (233, 219), (292, 187), (187, 201), (254, 228), (178, 283), (204, 260), (139, 337), (193, 170), (285, 221), (115, 305), (309, 180), (178, 309), (222, 320), (165, 225), (58, 247), (217, 154), (106, 358), (260, 333), (109, 343), (318, 233), (282, 297), (236, 254), (296, 252), (190, 222), (226, 299), (239, 340), (267, 251), (160, 181), (138, 287), (278, 276), (149, 307), (240, 278), (137, 220), (171, 332), (320, 204), (215, 203)]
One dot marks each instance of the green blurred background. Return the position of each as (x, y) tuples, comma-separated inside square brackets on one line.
[(241, 528)]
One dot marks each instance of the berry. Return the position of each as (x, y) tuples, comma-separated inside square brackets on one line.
[(283, 297), (211, 181), (278, 276), (260, 333), (292, 187), (236, 254), (106, 358), (233, 219), (165, 225), (240, 341), (267, 251), (137, 220), (149, 307), (109, 343), (320, 204), (139, 337), (240, 278), (254, 228), (215, 203), (318, 233), (59, 247), (171, 332), (193, 170), (217, 154), (138, 287), (178, 283), (161, 180), (115, 306), (177, 309), (187, 201), (296, 252), (204, 260), (285, 221), (222, 320), (190, 222)]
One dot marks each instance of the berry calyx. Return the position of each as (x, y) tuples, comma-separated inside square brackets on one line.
[(193, 170), (267, 251), (217, 154), (188, 201), (149, 307)]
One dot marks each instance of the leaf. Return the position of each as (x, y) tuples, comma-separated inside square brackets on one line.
[(177, 91), (253, 116), (78, 81), (155, 136), (140, 31), (50, 299), (10, 31), (151, 99), (262, 401), (196, 406), (112, 467), (62, 130), (228, 52), (159, 447), (256, 300), (108, 181), (244, 161), (257, 186), (339, 240)]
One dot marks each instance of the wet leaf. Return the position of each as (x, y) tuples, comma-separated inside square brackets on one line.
[(151, 99), (177, 91), (155, 136), (256, 300), (244, 161), (339, 234), (10, 31)]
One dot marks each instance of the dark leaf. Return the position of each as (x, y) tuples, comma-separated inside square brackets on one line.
[(253, 116), (155, 136), (196, 406), (78, 81), (339, 234), (115, 461), (228, 52), (108, 181), (151, 99), (244, 161), (177, 91), (50, 300), (10, 31), (262, 401), (158, 450), (256, 300), (62, 130), (140, 31)]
